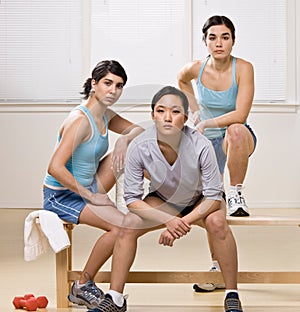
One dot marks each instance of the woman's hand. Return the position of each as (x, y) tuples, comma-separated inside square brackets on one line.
[(119, 154), (201, 126), (195, 117), (99, 199)]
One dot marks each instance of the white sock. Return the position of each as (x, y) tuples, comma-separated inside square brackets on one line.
[(117, 297), (79, 285), (236, 188), (215, 264), (230, 290)]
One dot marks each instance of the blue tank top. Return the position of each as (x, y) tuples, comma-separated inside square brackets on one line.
[(84, 161), (216, 103)]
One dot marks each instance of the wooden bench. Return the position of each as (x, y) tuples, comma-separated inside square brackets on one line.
[(65, 274)]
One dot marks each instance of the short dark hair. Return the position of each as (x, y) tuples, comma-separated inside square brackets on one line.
[(100, 71), (171, 90), (218, 20)]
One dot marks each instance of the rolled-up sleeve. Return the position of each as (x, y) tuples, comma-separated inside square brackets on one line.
[(211, 178), (134, 175)]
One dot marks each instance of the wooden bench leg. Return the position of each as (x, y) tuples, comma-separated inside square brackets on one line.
[(63, 266)]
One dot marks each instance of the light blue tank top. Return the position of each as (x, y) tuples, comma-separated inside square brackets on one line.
[(84, 162), (216, 103)]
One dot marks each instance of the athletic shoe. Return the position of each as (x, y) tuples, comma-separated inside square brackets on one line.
[(208, 287), (236, 203), (232, 303), (107, 305), (88, 294)]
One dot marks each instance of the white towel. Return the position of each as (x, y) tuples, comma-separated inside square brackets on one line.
[(38, 236)]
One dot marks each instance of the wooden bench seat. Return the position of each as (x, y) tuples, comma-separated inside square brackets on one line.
[(65, 274)]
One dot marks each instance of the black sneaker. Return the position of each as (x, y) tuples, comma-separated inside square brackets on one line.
[(232, 303), (89, 295), (107, 305)]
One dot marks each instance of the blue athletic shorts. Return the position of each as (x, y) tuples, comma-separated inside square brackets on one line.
[(65, 203), (221, 157)]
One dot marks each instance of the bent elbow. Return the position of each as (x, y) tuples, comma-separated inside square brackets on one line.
[(53, 170)]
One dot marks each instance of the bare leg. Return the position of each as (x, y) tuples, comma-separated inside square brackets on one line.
[(125, 251), (238, 145), (126, 245), (103, 247), (224, 247), (209, 240), (105, 175)]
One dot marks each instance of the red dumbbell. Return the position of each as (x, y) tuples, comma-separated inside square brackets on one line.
[(42, 302), (27, 296), (29, 304), (16, 302)]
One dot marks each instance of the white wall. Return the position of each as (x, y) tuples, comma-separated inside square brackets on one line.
[(28, 133), (27, 140)]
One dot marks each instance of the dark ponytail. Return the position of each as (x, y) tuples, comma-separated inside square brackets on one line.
[(100, 71), (87, 88)]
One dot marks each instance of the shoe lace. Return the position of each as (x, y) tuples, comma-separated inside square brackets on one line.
[(242, 200), (233, 198), (90, 297), (236, 197), (233, 303), (91, 287), (214, 269), (108, 305)]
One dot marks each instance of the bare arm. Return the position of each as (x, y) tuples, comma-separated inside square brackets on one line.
[(176, 226), (202, 210), (128, 130), (206, 207), (185, 76), (75, 130)]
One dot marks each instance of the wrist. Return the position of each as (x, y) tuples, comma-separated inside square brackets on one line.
[(88, 195), (195, 117)]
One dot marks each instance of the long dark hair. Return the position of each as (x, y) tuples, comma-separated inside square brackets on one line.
[(100, 71)]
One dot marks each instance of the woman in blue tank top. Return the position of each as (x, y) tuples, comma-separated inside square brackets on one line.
[(225, 87), (79, 174)]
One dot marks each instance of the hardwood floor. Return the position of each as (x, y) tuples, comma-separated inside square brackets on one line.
[(269, 248)]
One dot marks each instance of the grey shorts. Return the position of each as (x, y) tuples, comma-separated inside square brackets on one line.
[(221, 157), (65, 203)]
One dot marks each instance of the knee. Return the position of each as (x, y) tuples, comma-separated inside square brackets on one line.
[(236, 134), (127, 234), (131, 226), (217, 226)]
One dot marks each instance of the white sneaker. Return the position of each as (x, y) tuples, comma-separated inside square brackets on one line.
[(207, 287), (236, 203)]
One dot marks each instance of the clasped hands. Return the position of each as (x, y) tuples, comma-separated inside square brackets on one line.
[(176, 228)]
